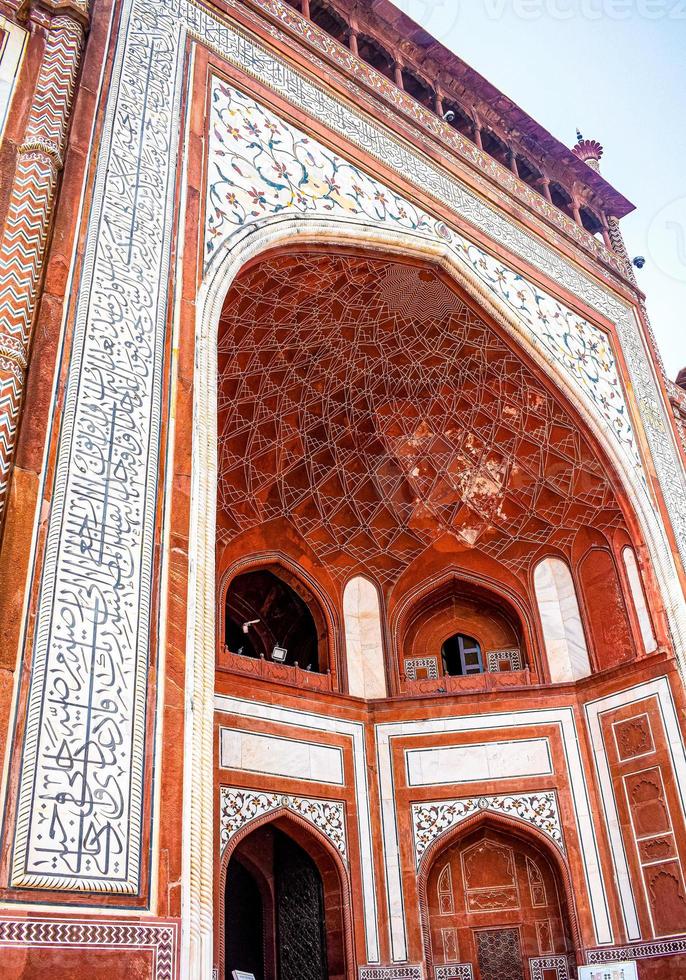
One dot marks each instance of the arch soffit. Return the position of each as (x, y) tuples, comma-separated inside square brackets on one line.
[(277, 231)]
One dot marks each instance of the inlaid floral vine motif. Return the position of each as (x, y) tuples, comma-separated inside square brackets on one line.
[(261, 166), (430, 820)]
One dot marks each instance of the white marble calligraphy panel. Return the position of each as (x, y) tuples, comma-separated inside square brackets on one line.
[(81, 790)]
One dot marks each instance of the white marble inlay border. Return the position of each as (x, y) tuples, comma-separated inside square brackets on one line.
[(563, 719), (660, 690), (239, 807), (276, 756), (355, 732), (79, 814)]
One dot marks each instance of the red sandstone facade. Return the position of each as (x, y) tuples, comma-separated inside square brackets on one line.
[(343, 515)]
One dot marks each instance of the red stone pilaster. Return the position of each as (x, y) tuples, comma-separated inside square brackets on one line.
[(25, 233)]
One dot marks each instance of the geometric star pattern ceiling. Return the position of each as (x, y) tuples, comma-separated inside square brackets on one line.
[(366, 402)]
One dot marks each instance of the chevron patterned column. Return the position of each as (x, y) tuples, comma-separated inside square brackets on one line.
[(24, 237)]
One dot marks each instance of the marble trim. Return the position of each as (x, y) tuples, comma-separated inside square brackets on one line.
[(640, 951), (563, 719), (105, 934), (408, 972)]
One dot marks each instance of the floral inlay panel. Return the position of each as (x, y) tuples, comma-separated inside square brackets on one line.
[(239, 806), (261, 166), (430, 820)]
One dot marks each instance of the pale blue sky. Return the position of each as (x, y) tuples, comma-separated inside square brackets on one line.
[(617, 70)]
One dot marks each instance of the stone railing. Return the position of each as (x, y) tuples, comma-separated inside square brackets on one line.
[(469, 684), (270, 670)]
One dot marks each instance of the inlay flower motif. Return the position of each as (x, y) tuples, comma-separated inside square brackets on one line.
[(260, 166), (430, 820)]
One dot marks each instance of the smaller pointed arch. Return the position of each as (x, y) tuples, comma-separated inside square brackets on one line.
[(563, 632), (363, 639)]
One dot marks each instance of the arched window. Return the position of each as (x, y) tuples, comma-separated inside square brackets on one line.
[(591, 221), (561, 199), (529, 173), (457, 629), (460, 120), (267, 616), (495, 147), (563, 633), (363, 642), (605, 608), (418, 89), (639, 600)]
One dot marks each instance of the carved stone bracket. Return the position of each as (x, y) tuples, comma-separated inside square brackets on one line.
[(239, 807), (430, 820)]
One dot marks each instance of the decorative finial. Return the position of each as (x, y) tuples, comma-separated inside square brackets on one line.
[(590, 151)]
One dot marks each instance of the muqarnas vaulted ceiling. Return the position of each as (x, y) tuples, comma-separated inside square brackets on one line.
[(365, 401)]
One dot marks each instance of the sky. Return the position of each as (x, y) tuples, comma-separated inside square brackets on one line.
[(616, 69)]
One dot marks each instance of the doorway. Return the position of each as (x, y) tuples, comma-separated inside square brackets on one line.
[(280, 918)]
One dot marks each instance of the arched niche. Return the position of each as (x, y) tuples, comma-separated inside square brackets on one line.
[(440, 632), (255, 848), (364, 652), (604, 607), (494, 872), (266, 605), (563, 632)]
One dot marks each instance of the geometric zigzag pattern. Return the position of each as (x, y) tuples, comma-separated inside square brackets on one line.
[(367, 404), (158, 937), (22, 247)]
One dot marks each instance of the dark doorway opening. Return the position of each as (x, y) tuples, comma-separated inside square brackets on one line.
[(244, 940), (277, 910), (461, 655), (267, 617)]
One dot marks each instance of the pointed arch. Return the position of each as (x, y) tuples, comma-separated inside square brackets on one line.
[(563, 631), (245, 246), (364, 650), (325, 856), (510, 825)]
